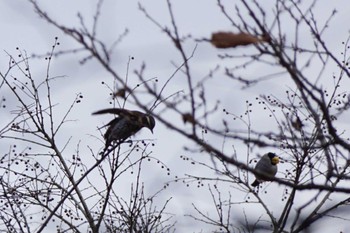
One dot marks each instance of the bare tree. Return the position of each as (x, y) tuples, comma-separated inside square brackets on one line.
[(301, 122), (42, 186)]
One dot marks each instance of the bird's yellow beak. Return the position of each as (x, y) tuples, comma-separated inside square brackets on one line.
[(275, 160)]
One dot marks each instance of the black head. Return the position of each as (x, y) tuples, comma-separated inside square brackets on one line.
[(271, 155)]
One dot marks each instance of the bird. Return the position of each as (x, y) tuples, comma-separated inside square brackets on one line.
[(128, 123), (267, 165)]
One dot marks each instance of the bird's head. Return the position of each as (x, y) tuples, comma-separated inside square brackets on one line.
[(149, 122), (274, 158)]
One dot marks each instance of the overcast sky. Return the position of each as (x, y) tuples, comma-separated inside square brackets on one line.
[(21, 27)]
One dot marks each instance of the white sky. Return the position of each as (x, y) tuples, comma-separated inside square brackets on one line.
[(22, 28)]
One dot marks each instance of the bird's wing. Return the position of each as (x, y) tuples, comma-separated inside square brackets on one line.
[(264, 166), (113, 122), (134, 117), (118, 111)]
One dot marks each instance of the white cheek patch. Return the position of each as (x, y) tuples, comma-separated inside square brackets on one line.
[(149, 121)]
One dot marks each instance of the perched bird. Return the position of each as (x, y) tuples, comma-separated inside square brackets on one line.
[(126, 124), (267, 165)]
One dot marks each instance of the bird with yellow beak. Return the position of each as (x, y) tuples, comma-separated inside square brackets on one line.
[(267, 166)]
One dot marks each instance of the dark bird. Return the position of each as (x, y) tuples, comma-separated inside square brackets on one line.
[(267, 165), (126, 124)]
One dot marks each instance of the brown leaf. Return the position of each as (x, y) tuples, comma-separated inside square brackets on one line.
[(230, 40), (297, 124), (187, 117), (120, 93)]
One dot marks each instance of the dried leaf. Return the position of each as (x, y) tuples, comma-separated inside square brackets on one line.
[(120, 93), (297, 124), (231, 40), (187, 117)]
